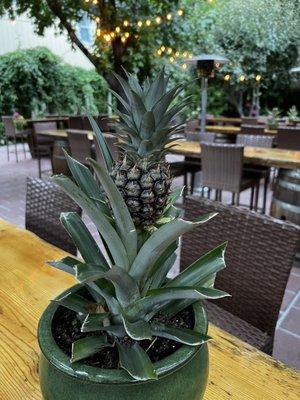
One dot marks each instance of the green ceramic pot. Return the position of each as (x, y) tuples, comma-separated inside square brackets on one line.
[(182, 375)]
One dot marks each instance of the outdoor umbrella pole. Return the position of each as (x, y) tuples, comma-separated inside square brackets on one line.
[(204, 84)]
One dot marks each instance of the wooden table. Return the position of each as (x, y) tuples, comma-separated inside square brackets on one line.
[(62, 133), (279, 158), (237, 371), (233, 130), (50, 119), (225, 120)]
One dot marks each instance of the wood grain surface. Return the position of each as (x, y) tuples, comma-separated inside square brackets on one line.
[(279, 158), (237, 371), (233, 130)]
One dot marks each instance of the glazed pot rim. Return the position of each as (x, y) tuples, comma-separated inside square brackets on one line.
[(61, 361)]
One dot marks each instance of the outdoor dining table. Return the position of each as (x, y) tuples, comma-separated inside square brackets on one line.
[(237, 370), (233, 130), (270, 157)]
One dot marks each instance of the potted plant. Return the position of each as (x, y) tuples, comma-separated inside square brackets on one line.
[(19, 121), (125, 330), (273, 118), (293, 117)]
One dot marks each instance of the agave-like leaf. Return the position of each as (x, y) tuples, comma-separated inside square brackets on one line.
[(122, 101), (207, 265), (106, 153), (139, 330), (83, 239), (66, 264), (93, 321), (125, 86), (74, 302), (181, 335), (161, 274), (86, 182), (87, 347), (158, 86), (138, 109), (156, 298), (93, 324), (108, 233), (134, 84), (158, 242), (124, 222), (89, 272), (136, 362)]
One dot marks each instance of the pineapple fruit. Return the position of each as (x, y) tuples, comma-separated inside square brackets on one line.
[(145, 128)]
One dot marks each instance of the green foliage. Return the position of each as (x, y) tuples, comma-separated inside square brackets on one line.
[(293, 116), (273, 118), (36, 81), (130, 286)]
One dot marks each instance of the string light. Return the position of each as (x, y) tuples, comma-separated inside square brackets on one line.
[(184, 66), (227, 77), (118, 29), (97, 19), (140, 24), (258, 78), (95, 1), (126, 34), (169, 16), (148, 22), (112, 35), (169, 51), (98, 32), (163, 48), (180, 12), (172, 59), (123, 39), (107, 37), (125, 23), (242, 78), (158, 20)]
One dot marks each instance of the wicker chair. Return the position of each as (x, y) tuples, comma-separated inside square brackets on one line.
[(288, 138), (80, 145), (222, 169), (259, 257), (202, 137), (10, 133), (252, 129), (45, 201), (258, 141), (42, 145)]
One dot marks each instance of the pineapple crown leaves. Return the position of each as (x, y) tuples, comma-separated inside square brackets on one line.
[(148, 111), (129, 284)]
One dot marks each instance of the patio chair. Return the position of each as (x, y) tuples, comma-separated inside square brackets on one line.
[(222, 169), (259, 257), (10, 133), (252, 129), (249, 121), (258, 141), (80, 145), (202, 137), (288, 138), (42, 145), (45, 201)]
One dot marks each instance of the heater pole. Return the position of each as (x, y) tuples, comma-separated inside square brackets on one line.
[(204, 84)]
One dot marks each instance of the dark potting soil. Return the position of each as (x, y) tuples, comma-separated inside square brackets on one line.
[(66, 330)]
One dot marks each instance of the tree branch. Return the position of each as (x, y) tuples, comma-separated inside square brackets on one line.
[(56, 9)]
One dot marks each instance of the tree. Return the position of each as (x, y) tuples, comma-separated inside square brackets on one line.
[(260, 38), (127, 33)]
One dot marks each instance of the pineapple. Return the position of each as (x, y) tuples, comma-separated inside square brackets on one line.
[(142, 176)]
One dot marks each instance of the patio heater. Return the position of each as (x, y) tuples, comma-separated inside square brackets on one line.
[(206, 65)]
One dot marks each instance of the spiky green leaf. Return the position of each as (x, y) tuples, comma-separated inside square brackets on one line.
[(106, 153), (181, 335), (139, 330), (87, 347)]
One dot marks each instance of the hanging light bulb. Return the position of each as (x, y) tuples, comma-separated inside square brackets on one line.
[(125, 23), (118, 29), (123, 39), (184, 66), (169, 16), (158, 20), (97, 19), (180, 12), (227, 77), (112, 34), (172, 59), (177, 54), (148, 22), (169, 51), (185, 54), (126, 34), (159, 52), (98, 32), (140, 24), (242, 78), (258, 78), (107, 37), (163, 48)]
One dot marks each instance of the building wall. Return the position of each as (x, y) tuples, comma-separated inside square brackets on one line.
[(20, 34)]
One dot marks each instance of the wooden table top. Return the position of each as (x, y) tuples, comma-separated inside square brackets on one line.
[(62, 133), (237, 370), (50, 119), (279, 158), (233, 130)]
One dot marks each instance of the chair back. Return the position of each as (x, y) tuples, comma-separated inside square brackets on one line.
[(45, 201), (252, 129), (80, 145), (255, 140), (259, 257), (222, 166), (249, 121), (192, 126), (9, 126), (76, 122), (111, 142), (288, 138), (208, 137), (44, 126)]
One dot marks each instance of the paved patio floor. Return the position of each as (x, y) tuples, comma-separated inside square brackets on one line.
[(12, 208)]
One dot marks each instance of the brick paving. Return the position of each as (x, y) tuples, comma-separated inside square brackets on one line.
[(12, 208)]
